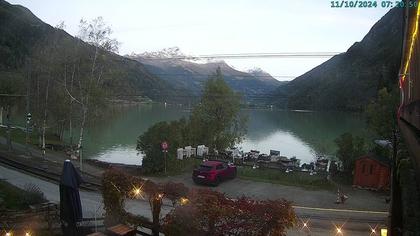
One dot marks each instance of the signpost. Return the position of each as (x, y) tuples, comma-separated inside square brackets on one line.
[(28, 121), (164, 146)]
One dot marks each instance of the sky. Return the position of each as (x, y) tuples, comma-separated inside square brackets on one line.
[(201, 27)]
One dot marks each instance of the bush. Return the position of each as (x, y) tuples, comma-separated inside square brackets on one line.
[(212, 213), (150, 143)]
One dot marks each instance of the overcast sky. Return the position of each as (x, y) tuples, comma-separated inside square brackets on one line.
[(220, 26)]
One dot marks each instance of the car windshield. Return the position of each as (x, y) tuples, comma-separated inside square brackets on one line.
[(205, 168)]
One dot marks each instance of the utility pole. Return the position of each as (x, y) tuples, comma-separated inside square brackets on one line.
[(164, 146), (164, 157), (28, 114)]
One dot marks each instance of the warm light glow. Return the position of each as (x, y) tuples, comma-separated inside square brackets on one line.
[(136, 191), (27, 234), (384, 232), (9, 234), (184, 201), (160, 195), (339, 231), (412, 42), (373, 230), (305, 225)]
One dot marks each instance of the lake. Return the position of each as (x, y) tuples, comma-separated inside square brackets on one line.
[(294, 133)]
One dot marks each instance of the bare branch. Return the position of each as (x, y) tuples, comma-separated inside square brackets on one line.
[(65, 87)]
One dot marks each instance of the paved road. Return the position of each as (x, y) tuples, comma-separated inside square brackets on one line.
[(91, 201), (92, 205), (358, 199)]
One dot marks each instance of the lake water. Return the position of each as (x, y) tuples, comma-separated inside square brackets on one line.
[(300, 134)]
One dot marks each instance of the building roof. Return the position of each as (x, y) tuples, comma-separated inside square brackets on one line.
[(383, 160)]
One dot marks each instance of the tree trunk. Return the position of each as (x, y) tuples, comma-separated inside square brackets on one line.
[(44, 125), (79, 144), (71, 107)]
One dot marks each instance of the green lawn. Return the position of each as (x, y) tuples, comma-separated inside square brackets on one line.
[(295, 178), (178, 167), (19, 136), (13, 198)]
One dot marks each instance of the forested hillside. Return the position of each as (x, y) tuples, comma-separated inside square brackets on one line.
[(350, 80)]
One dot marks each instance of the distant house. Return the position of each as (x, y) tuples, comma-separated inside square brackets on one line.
[(372, 172)]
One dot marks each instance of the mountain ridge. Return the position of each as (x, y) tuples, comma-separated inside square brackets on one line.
[(21, 32), (191, 76), (350, 80)]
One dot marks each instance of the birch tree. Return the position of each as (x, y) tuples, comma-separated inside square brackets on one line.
[(97, 34)]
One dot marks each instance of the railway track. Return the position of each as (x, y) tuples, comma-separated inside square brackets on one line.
[(52, 176), (45, 173)]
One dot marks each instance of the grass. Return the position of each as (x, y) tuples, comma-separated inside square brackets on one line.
[(178, 167), (295, 178), (13, 198), (19, 136)]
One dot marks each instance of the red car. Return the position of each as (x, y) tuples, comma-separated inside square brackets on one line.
[(213, 172)]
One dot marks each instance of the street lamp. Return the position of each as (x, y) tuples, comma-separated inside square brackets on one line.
[(164, 146)]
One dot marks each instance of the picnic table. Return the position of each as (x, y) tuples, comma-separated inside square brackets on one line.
[(122, 230)]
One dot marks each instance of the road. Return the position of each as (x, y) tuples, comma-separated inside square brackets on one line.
[(358, 199), (91, 201), (321, 221)]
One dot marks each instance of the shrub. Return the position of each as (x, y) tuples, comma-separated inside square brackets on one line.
[(212, 213)]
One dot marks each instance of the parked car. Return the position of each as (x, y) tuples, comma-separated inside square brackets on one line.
[(213, 172)]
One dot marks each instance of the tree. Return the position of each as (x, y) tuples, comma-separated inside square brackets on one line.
[(217, 121), (349, 148), (8, 89), (382, 113), (174, 132), (89, 85)]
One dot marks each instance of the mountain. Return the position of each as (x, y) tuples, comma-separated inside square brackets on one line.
[(182, 74), (22, 33), (350, 80)]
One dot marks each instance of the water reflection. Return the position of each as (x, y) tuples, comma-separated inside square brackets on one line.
[(299, 134)]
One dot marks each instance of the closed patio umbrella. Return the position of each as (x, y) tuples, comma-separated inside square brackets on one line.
[(70, 205)]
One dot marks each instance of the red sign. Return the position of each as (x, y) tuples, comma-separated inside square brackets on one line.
[(164, 145)]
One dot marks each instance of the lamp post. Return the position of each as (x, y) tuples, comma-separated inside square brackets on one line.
[(28, 121), (164, 146)]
